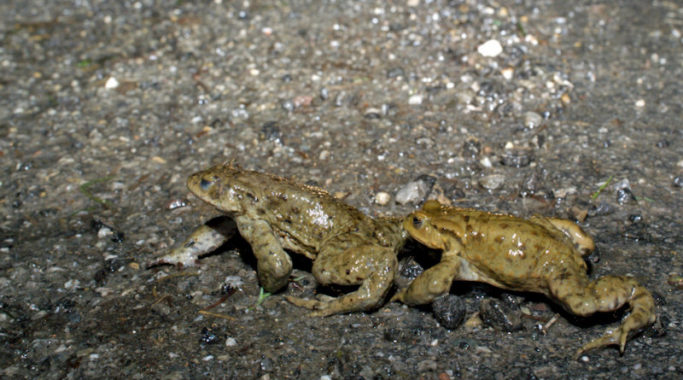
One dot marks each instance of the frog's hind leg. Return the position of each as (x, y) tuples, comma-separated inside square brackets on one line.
[(206, 238), (608, 293), (370, 266), (581, 240)]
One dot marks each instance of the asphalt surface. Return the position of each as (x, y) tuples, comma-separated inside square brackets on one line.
[(566, 109)]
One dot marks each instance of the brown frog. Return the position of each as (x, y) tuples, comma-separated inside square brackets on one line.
[(541, 255), (274, 214)]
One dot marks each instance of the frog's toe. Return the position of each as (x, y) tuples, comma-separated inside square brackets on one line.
[(301, 302), (398, 297), (611, 337), (323, 312)]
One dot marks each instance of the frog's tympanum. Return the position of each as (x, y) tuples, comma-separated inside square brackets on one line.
[(274, 214), (542, 255)]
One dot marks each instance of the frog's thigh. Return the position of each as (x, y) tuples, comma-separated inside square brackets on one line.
[(370, 266), (274, 264), (576, 234), (432, 283)]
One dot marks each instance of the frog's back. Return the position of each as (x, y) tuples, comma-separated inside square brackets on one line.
[(306, 214), (514, 252)]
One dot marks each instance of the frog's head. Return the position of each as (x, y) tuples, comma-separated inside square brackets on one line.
[(217, 186), (422, 225)]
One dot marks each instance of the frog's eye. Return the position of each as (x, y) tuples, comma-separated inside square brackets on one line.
[(417, 222), (205, 184)]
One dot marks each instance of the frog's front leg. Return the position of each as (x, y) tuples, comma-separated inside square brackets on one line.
[(431, 283), (273, 264), (606, 294), (370, 266)]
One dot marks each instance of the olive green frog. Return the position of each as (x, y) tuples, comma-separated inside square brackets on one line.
[(541, 255), (274, 214)]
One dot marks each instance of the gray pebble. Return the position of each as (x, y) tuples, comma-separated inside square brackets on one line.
[(499, 315), (449, 310), (532, 119), (492, 181), (412, 192)]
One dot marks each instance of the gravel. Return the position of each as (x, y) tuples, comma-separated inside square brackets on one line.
[(106, 107)]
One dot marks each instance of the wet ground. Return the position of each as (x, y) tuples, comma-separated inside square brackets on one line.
[(572, 109)]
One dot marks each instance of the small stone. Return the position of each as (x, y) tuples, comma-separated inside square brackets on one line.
[(486, 162), (382, 198), (412, 192), (395, 72), (72, 284), (492, 182), (372, 113), (566, 99), (532, 119), (415, 100), (104, 232), (490, 48), (640, 103), (517, 157), (499, 315), (449, 310), (625, 195), (208, 337), (409, 269), (507, 73), (563, 192), (230, 342), (111, 83)]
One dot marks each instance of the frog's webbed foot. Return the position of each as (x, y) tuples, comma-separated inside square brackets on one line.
[(611, 337), (320, 307), (205, 239), (606, 294)]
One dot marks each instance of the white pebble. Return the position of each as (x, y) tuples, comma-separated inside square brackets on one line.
[(324, 155), (640, 103), (486, 162), (104, 232), (382, 198), (111, 83), (230, 342), (490, 48), (507, 72), (563, 192), (415, 100)]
